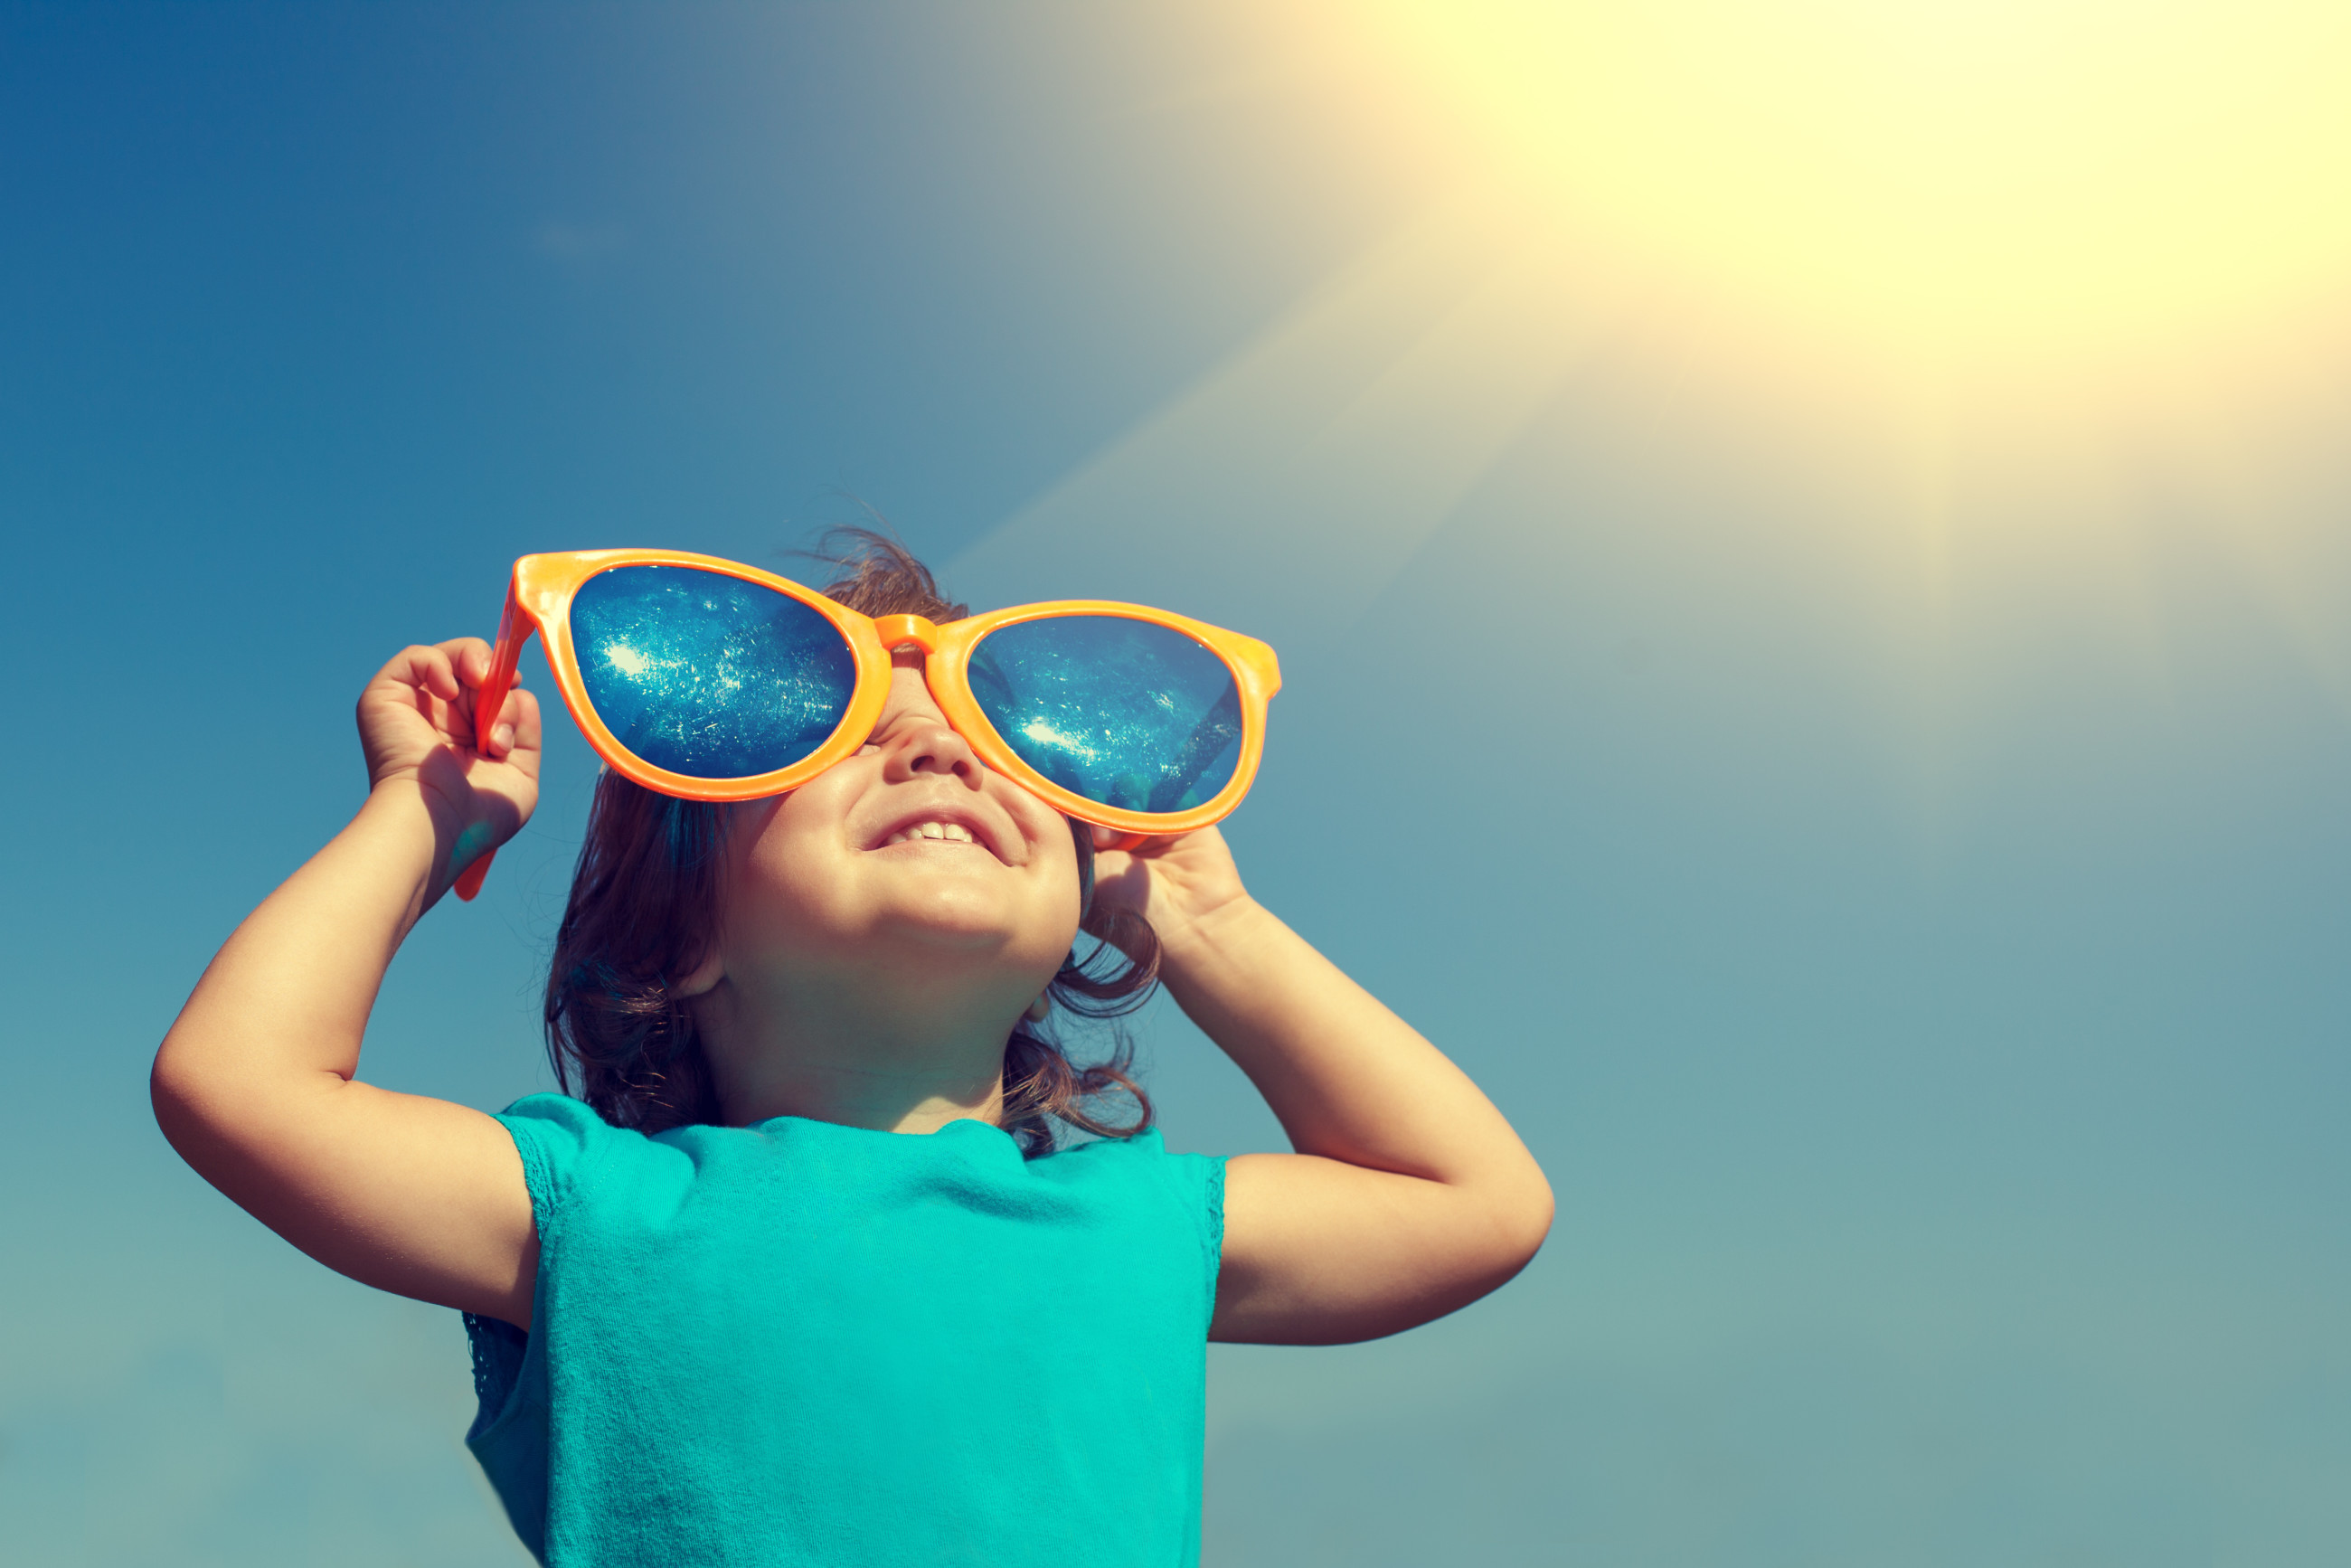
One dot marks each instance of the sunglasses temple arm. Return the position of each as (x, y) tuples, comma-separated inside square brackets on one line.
[(504, 659)]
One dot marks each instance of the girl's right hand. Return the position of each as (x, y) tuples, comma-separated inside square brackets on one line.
[(417, 724)]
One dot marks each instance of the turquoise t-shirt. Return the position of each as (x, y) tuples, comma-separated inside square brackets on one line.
[(799, 1343)]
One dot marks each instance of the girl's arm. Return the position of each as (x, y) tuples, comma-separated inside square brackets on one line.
[(254, 1085), (1409, 1195)]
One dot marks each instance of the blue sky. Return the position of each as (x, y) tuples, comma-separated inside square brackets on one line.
[(1925, 991)]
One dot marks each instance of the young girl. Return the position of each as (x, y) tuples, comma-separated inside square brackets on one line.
[(803, 1276)]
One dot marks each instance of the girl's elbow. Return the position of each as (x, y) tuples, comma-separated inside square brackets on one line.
[(174, 1094), (1522, 1220), (1509, 1227), (201, 1109), (1513, 1210)]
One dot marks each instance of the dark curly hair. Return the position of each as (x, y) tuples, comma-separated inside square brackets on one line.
[(644, 908)]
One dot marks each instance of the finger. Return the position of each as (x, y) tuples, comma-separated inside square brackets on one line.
[(473, 661), (517, 726), (424, 669), (523, 708), (470, 657)]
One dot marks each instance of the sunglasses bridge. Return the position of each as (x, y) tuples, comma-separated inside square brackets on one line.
[(896, 630)]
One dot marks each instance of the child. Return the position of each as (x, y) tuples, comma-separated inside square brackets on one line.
[(802, 1278)]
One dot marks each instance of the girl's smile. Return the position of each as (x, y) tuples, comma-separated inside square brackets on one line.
[(938, 831)]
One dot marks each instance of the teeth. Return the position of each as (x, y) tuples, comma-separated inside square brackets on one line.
[(949, 832)]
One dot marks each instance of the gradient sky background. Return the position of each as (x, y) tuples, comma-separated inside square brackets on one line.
[(1816, 667)]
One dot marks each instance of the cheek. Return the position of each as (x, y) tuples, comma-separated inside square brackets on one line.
[(1059, 888), (782, 875)]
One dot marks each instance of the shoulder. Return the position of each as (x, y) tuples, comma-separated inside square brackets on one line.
[(1144, 1157), (1141, 1169), (560, 1129), (569, 1150)]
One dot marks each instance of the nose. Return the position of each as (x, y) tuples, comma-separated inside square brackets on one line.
[(919, 739), (924, 743)]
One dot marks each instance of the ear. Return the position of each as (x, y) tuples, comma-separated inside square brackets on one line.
[(702, 978)]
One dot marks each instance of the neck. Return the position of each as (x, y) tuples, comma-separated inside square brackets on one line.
[(833, 1055)]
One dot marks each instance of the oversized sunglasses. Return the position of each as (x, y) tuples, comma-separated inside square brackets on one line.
[(709, 680)]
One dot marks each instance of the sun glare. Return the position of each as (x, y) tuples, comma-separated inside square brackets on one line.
[(1987, 186), (1948, 285)]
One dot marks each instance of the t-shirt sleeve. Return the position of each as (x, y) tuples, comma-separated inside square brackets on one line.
[(1203, 1181), (562, 1142), (564, 1145), (1191, 1185)]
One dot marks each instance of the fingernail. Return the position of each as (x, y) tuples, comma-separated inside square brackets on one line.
[(502, 737)]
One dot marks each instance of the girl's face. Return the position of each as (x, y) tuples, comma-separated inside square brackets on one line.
[(907, 866)]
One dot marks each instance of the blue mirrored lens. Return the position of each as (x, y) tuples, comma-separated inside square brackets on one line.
[(707, 675), (1124, 713)]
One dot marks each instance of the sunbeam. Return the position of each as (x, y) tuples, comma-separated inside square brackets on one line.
[(1907, 257), (1326, 450)]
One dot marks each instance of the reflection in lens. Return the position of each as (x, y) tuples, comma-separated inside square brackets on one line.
[(707, 675), (1125, 713)]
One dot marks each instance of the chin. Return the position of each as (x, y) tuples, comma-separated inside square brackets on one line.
[(952, 916)]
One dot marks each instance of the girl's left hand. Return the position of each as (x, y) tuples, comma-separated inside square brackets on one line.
[(416, 726), (1174, 884)]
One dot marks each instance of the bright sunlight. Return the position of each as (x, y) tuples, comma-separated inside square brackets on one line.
[(1951, 280), (1987, 186)]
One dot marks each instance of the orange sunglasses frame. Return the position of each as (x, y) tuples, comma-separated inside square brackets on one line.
[(538, 597)]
